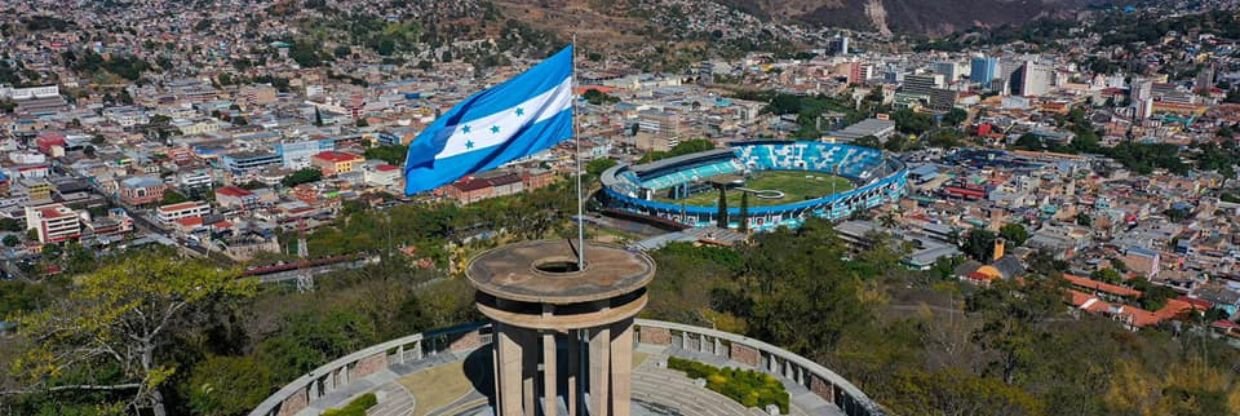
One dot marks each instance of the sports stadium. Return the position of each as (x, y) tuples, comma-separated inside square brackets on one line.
[(767, 184)]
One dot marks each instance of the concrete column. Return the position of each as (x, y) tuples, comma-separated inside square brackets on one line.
[(622, 368), (495, 364), (508, 368), (529, 371), (600, 371), (550, 403), (573, 387)]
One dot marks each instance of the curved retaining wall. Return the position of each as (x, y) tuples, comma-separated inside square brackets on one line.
[(833, 388)]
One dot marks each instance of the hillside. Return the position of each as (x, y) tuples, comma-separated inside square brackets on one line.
[(625, 24), (932, 17)]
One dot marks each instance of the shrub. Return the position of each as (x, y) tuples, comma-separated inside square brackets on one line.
[(748, 387), (357, 407)]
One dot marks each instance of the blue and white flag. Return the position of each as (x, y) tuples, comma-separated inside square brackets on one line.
[(523, 116)]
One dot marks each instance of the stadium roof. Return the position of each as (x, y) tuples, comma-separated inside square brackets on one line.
[(673, 161)]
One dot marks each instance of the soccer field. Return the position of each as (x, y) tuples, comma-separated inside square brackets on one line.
[(797, 186)]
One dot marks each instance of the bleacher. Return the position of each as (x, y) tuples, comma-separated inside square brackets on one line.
[(844, 160), (693, 174), (877, 181)]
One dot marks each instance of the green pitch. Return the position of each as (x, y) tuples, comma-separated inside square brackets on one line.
[(797, 186)]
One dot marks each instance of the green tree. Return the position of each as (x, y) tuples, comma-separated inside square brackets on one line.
[(955, 117), (17, 296), (911, 122), (793, 306), (597, 97), (955, 392), (390, 154), (1013, 320), (1014, 233), (78, 259), (1029, 141), (117, 318), (10, 224), (11, 240), (869, 141), (596, 167), (342, 52), (173, 197), (1107, 275), (308, 340), (222, 385), (979, 244), (306, 175)]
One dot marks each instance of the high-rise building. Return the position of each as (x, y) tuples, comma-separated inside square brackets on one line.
[(983, 69), (1030, 80), (838, 45), (1205, 80), (1144, 108), (922, 83), (1141, 89), (950, 70), (855, 73)]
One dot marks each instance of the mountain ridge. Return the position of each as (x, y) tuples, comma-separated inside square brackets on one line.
[(926, 17)]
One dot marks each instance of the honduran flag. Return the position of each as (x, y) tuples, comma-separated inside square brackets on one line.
[(520, 117)]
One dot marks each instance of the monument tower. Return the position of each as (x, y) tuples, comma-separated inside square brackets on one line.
[(563, 335)]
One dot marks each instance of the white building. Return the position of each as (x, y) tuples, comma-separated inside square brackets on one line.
[(381, 174), (195, 179), (170, 213), (54, 223)]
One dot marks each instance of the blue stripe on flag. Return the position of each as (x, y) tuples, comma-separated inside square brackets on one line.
[(532, 139), (428, 165)]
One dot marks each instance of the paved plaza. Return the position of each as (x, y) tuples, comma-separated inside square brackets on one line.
[(452, 384)]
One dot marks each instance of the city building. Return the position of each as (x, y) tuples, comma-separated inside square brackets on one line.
[(881, 129), (233, 197), (53, 223), (662, 124), (333, 163), (922, 84), (983, 70), (169, 214), (838, 45), (36, 189), (382, 174), (1030, 80), (491, 185), (296, 155), (950, 70), (241, 162), (142, 190)]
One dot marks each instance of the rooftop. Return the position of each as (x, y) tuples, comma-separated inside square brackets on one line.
[(542, 271), (336, 157)]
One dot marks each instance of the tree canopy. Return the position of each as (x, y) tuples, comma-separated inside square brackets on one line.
[(118, 317)]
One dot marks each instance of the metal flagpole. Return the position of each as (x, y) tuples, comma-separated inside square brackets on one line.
[(581, 227)]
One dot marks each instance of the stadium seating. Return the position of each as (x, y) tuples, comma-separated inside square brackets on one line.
[(692, 174), (878, 181), (838, 159)]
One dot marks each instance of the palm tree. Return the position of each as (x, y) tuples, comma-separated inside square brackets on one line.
[(888, 220)]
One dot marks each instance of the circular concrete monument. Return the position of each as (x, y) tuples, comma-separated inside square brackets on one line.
[(563, 334)]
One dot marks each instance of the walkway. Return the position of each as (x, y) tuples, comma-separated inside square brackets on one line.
[(439, 386)]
